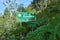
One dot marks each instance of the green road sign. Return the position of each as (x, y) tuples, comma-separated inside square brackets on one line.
[(25, 17)]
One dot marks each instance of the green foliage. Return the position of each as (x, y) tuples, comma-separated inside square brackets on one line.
[(20, 8), (51, 15), (19, 30), (46, 26), (52, 29), (39, 34), (30, 9)]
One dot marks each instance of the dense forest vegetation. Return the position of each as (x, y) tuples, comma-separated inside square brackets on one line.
[(46, 26)]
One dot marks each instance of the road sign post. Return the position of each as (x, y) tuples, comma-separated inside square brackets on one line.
[(25, 17)]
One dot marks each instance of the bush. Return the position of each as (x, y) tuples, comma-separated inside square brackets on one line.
[(51, 31)]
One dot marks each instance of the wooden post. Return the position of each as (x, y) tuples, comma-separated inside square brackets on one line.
[(20, 24), (20, 33)]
